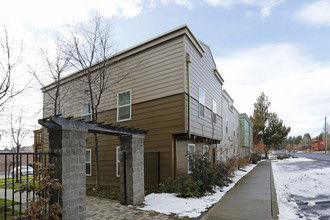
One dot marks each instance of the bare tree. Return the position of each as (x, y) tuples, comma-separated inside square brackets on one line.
[(9, 59), (89, 45), (18, 134), (54, 66)]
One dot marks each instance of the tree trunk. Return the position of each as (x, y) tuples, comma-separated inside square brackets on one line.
[(97, 180)]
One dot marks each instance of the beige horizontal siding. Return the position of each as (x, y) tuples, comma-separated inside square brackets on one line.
[(151, 74), (201, 72)]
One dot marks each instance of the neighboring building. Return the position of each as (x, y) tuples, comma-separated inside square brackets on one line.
[(318, 145), (246, 134), (10, 160), (229, 145), (173, 90)]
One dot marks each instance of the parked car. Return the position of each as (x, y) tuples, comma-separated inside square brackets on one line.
[(25, 170)]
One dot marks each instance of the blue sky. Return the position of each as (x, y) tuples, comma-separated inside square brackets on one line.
[(280, 47)]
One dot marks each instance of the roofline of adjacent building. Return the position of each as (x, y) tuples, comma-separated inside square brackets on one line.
[(246, 117), (225, 92)]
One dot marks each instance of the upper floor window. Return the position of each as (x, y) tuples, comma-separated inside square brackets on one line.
[(86, 111), (234, 131), (124, 105), (214, 111), (201, 103), (227, 125)]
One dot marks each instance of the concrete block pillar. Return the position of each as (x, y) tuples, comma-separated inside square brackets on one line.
[(69, 148), (132, 180)]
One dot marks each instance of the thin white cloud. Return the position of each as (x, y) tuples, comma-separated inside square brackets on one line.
[(264, 5), (316, 13), (43, 14), (295, 84)]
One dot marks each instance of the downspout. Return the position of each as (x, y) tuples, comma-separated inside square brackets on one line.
[(188, 91)]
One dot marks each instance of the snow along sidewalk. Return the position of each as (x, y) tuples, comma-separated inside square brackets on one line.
[(251, 198), (168, 203), (303, 188)]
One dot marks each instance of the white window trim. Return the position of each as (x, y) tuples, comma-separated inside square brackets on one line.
[(130, 104), (188, 157), (117, 161), (90, 150), (199, 114), (90, 109), (227, 126)]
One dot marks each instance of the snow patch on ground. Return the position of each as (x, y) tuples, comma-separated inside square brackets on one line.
[(290, 181), (192, 207)]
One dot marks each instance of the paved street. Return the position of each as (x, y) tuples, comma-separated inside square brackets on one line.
[(322, 202)]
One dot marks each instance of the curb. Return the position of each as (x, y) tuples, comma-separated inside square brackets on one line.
[(274, 205)]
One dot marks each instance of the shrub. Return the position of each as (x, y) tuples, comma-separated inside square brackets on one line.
[(205, 176), (202, 171), (210, 176), (281, 157), (242, 162), (255, 157), (181, 188), (43, 208)]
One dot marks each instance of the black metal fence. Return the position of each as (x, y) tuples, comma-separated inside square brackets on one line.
[(17, 169), (151, 171)]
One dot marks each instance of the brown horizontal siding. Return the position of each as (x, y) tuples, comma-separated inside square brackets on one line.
[(161, 117), (181, 156)]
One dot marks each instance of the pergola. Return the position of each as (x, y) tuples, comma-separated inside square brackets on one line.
[(67, 145)]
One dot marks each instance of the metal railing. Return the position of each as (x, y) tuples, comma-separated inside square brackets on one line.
[(19, 169), (151, 171)]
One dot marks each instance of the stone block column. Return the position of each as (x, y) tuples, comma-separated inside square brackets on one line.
[(68, 146), (132, 180)]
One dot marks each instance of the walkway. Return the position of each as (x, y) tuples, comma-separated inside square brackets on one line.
[(251, 198), (99, 209)]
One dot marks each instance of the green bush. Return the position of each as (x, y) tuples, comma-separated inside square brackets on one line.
[(255, 157), (205, 176), (181, 188), (281, 157), (208, 174)]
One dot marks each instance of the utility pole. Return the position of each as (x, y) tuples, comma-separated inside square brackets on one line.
[(325, 135)]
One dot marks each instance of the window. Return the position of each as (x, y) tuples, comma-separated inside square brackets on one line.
[(214, 112), (86, 111), (201, 103), (226, 125), (234, 131), (88, 162), (191, 150), (205, 150), (124, 105), (118, 161)]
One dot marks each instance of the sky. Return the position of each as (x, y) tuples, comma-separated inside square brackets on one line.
[(279, 47)]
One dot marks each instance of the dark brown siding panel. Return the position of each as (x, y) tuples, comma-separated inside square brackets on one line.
[(162, 118)]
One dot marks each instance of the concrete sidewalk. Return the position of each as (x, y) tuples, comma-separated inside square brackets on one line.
[(251, 198)]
